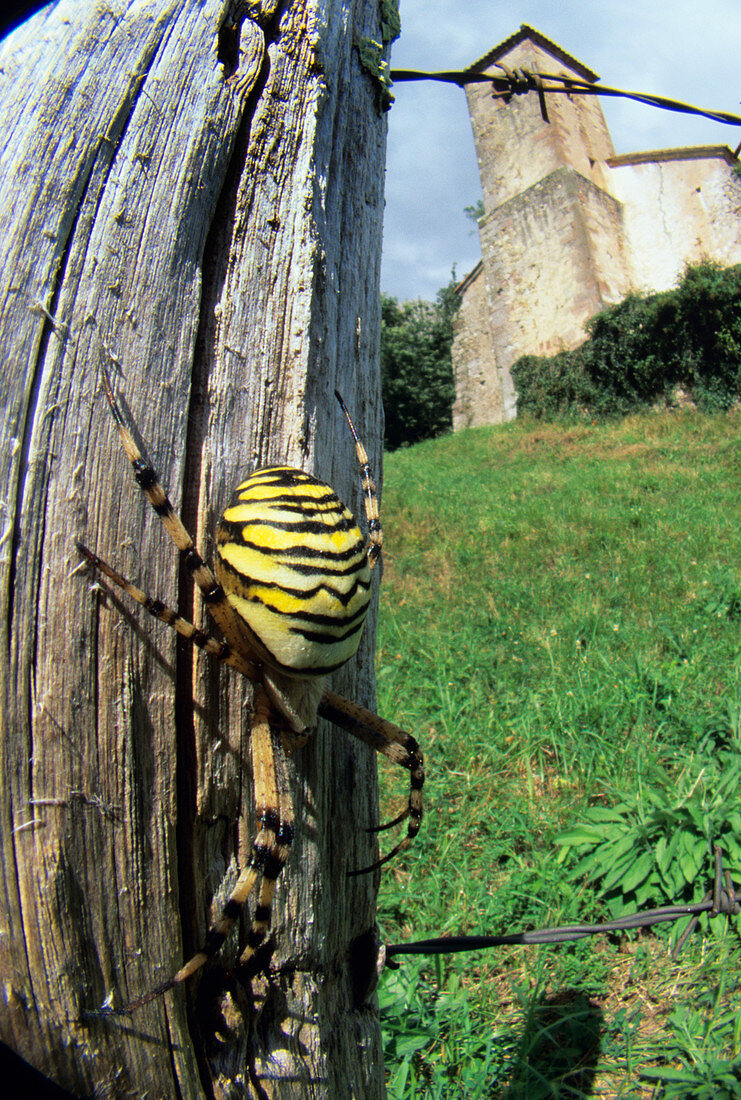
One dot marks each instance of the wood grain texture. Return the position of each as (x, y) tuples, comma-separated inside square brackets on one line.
[(220, 251)]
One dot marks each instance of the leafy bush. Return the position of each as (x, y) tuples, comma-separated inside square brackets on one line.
[(645, 349), (655, 846), (416, 367), (556, 386)]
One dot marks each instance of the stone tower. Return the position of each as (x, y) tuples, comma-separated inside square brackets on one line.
[(569, 228)]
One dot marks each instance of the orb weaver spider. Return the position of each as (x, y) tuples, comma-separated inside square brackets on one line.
[(290, 592)]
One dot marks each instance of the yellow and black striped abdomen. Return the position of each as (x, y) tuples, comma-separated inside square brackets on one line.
[(294, 566)]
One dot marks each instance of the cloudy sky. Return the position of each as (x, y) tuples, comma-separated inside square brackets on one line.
[(682, 49)]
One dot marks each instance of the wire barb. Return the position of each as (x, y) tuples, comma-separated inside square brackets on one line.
[(520, 81), (722, 899)]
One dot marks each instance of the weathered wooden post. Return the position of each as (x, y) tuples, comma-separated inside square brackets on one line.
[(217, 245)]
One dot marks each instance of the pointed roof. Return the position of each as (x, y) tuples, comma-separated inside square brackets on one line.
[(539, 39), (466, 281)]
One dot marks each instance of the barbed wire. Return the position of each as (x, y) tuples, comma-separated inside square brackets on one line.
[(520, 81), (723, 898)]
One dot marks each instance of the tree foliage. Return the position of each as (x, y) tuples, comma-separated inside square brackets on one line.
[(416, 366), (475, 211), (645, 350)]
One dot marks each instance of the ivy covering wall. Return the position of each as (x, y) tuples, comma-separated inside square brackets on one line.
[(648, 349)]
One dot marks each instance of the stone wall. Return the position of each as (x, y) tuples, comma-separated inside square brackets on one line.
[(545, 251), (479, 390), (681, 206)]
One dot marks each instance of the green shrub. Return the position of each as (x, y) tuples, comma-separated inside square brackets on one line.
[(709, 334), (416, 367), (553, 387), (655, 846), (643, 350)]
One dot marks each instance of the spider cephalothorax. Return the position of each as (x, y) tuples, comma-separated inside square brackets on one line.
[(290, 593)]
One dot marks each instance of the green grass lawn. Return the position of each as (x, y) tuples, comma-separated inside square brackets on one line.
[(561, 629)]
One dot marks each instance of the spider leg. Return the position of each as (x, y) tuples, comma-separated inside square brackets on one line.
[(393, 742), (270, 850), (222, 651), (276, 858), (372, 515), (390, 824), (149, 483)]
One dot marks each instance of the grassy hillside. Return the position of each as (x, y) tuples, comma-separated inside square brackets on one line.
[(560, 628)]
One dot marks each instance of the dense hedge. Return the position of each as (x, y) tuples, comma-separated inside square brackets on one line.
[(416, 367), (645, 350)]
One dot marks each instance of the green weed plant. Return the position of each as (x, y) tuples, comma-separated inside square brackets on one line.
[(652, 847)]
